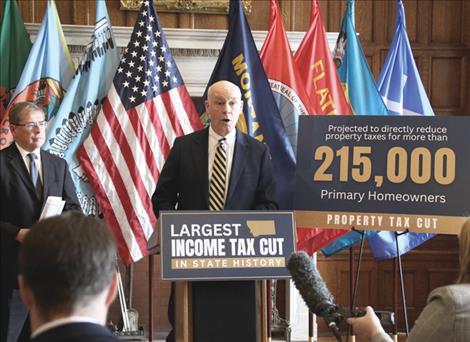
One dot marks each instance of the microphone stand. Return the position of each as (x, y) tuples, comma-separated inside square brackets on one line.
[(310, 326)]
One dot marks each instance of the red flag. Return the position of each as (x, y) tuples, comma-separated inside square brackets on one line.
[(284, 77), (146, 108), (318, 70), (321, 81)]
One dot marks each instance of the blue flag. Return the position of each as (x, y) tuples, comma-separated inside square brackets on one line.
[(82, 104), (404, 94), (346, 241), (399, 82), (353, 70), (362, 93), (48, 71), (240, 63)]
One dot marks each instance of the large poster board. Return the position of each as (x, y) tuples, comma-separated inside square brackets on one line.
[(205, 245), (383, 173)]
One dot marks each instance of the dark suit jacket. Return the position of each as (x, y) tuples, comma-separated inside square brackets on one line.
[(19, 205), (76, 332), (184, 179)]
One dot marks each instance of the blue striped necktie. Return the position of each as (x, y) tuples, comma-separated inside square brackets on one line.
[(218, 178)]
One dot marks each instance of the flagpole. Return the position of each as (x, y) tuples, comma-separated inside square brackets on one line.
[(150, 297)]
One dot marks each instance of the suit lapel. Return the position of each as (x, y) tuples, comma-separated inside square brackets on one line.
[(200, 161), (238, 162), (47, 172), (18, 165)]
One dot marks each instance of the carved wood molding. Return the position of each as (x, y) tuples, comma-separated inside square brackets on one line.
[(195, 51), (187, 6)]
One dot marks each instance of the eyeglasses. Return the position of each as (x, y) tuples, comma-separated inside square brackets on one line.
[(30, 125)]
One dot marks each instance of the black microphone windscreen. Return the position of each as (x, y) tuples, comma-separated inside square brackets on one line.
[(310, 284)]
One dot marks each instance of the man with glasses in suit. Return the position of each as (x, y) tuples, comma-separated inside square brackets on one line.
[(28, 176)]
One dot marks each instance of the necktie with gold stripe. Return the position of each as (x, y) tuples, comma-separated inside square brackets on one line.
[(218, 179)]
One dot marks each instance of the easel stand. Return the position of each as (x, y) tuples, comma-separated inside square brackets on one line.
[(354, 273), (397, 260), (354, 283), (395, 298)]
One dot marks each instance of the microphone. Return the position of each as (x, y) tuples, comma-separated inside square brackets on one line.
[(318, 298)]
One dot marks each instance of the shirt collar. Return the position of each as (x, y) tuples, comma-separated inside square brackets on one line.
[(229, 138), (25, 153)]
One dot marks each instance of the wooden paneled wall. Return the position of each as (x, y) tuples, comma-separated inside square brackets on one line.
[(439, 31)]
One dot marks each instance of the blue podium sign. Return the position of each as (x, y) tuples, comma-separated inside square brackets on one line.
[(204, 245), (383, 173)]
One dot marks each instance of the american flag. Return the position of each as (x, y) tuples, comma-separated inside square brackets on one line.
[(146, 108)]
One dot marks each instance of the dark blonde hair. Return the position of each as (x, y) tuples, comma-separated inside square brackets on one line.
[(464, 252), (23, 107)]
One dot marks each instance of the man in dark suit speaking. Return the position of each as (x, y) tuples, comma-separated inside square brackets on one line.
[(28, 176), (219, 168), (68, 278)]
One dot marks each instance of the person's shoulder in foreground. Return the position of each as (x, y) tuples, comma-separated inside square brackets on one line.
[(77, 332), (68, 278)]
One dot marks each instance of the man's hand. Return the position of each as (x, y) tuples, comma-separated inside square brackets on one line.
[(22, 234), (367, 326)]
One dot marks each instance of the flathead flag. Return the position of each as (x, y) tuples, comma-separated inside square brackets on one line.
[(283, 76), (318, 70), (364, 97), (47, 73), (14, 50), (239, 62), (82, 103), (322, 84), (353, 70), (404, 94), (146, 108)]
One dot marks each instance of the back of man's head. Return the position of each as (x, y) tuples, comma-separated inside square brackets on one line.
[(66, 261)]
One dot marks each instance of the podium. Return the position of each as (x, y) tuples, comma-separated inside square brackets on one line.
[(219, 262), (191, 326)]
